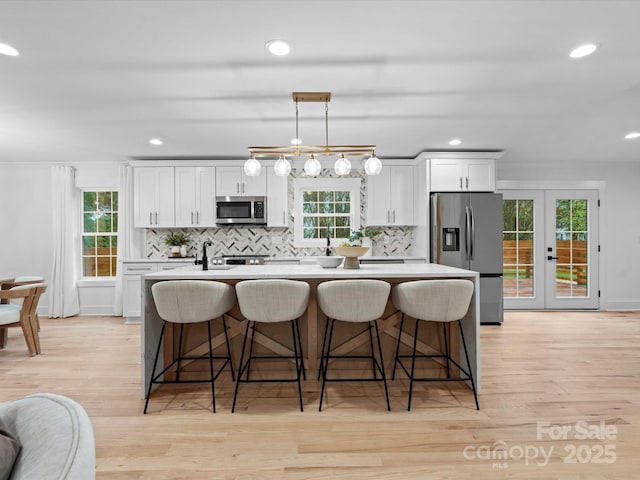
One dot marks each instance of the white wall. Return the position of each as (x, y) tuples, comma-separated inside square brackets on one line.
[(619, 221), (26, 227)]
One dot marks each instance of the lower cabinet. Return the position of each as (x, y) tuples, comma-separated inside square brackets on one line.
[(132, 284)]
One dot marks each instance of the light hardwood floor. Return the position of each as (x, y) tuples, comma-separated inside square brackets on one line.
[(568, 369)]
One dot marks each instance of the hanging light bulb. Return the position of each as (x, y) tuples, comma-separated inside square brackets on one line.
[(252, 167), (282, 167), (312, 166), (342, 165), (373, 165)]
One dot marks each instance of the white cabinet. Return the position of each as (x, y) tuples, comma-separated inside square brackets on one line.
[(232, 182), (132, 284), (277, 200), (153, 197), (462, 175), (390, 196), (195, 196)]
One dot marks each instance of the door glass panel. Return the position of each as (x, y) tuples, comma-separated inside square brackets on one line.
[(572, 248), (518, 248)]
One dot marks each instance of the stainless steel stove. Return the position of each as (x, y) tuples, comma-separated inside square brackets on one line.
[(239, 260)]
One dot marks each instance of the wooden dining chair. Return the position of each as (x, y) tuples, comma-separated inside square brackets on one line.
[(21, 311)]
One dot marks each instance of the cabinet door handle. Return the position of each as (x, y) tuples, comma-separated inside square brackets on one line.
[(191, 218), (388, 216), (150, 218), (237, 187), (394, 216), (197, 218), (242, 187), (284, 217), (467, 182), (460, 183)]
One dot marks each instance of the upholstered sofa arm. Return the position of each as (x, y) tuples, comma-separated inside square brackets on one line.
[(56, 436)]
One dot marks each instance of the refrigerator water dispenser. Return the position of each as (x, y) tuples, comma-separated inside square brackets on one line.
[(450, 239)]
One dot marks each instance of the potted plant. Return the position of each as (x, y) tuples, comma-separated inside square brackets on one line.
[(368, 234), (177, 240)]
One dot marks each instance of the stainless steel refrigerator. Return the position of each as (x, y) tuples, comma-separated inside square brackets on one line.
[(466, 232)]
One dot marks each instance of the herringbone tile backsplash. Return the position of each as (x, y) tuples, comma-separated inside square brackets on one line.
[(252, 240)]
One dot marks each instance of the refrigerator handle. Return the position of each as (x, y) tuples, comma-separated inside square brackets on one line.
[(473, 234), (467, 232)]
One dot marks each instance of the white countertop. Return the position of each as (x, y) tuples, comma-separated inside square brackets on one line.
[(243, 272)]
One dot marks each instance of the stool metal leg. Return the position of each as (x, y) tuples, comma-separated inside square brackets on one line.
[(446, 348), (324, 342), (413, 363), (384, 377), (298, 359), (213, 390), (473, 385), (179, 352), (226, 338), (373, 360), (304, 375), (155, 363), (240, 367), (325, 363), (395, 361)]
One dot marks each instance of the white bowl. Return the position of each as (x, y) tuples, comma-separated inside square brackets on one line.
[(329, 262)]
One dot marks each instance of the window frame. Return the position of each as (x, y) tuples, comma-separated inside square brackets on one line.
[(113, 233), (353, 185)]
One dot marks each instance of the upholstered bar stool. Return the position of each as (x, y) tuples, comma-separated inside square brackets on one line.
[(441, 301), (354, 301), (187, 302), (266, 302)]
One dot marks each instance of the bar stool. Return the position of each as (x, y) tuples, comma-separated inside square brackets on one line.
[(271, 301), (442, 301), (187, 302), (355, 301)]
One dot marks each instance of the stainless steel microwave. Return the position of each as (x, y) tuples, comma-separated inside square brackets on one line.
[(241, 210)]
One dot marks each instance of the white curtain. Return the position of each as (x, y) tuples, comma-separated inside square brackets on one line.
[(130, 239), (63, 292)]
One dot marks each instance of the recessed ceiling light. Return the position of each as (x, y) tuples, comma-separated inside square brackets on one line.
[(278, 47), (8, 50), (632, 135), (155, 141), (455, 141), (583, 50)]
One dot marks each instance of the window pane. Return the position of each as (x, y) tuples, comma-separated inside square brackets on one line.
[(310, 197), (342, 197), (89, 223), (88, 242), (309, 207), (327, 208), (104, 266), (579, 215), (310, 222), (309, 232), (525, 215), (89, 267), (114, 196), (325, 197), (326, 222), (104, 201), (89, 201), (104, 222), (509, 215), (342, 232)]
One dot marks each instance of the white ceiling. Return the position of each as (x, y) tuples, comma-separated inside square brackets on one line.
[(95, 80)]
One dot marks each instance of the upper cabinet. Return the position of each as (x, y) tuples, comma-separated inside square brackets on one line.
[(462, 175), (390, 196), (195, 196), (232, 182), (277, 200), (154, 197)]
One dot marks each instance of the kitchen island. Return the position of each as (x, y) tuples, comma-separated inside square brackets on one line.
[(314, 319)]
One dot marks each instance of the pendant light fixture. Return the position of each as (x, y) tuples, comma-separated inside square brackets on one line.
[(312, 166)]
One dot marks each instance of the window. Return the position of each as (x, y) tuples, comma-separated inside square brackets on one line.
[(518, 248), (325, 206), (99, 233)]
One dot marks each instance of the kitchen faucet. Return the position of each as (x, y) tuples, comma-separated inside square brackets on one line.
[(328, 251), (205, 260)]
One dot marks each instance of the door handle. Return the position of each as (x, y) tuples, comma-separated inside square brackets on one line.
[(473, 233), (467, 232), (549, 257)]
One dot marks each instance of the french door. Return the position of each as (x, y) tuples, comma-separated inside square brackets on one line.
[(550, 249)]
